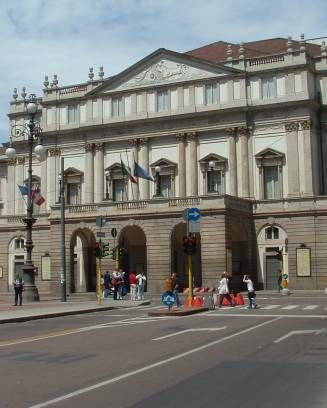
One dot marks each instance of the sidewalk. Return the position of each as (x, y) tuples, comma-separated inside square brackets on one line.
[(55, 308)]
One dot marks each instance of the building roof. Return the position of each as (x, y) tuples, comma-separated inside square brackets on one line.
[(217, 52)]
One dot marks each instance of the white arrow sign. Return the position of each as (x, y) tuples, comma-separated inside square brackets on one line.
[(210, 329), (292, 333)]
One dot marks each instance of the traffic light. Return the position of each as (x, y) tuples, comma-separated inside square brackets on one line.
[(105, 249), (189, 244), (122, 252), (113, 253), (97, 249)]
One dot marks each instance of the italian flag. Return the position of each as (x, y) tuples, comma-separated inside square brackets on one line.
[(126, 172)]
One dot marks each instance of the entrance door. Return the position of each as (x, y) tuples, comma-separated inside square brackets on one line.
[(272, 267), (19, 270)]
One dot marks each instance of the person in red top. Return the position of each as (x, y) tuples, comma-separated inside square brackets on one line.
[(133, 285)]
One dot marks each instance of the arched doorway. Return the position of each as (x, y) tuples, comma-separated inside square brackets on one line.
[(16, 258), (82, 261), (179, 258), (133, 240), (271, 243)]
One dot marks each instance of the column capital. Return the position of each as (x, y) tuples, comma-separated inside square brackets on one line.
[(143, 141), (291, 126), (231, 131), (243, 131), (20, 159), (133, 142), (89, 147), (306, 124), (54, 151), (191, 135), (99, 146), (180, 136), (12, 162)]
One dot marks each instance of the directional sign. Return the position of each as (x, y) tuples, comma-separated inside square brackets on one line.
[(194, 214), (101, 234), (194, 226), (168, 298), (100, 221), (113, 232)]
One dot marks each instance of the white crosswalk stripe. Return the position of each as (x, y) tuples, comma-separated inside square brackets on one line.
[(310, 307), (268, 307), (290, 307)]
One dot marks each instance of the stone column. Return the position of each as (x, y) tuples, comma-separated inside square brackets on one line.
[(181, 165), (243, 138), (53, 173), (311, 159), (134, 156), (232, 161), (144, 184), (291, 129), (99, 173), (20, 205), (89, 174), (192, 137), (11, 188), (44, 164)]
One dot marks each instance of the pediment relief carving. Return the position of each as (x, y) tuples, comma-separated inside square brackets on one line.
[(270, 157)]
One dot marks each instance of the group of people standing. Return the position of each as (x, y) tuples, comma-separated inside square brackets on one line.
[(225, 290), (118, 283)]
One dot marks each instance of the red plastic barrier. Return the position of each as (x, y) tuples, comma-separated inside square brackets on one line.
[(197, 301), (238, 299)]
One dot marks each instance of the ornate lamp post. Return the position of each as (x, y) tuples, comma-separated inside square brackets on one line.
[(32, 132), (158, 183)]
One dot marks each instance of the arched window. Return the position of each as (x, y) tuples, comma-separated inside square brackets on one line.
[(272, 233)]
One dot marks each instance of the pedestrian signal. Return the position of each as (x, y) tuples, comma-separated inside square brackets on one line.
[(105, 250), (97, 250)]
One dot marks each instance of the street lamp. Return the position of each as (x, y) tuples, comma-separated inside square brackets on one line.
[(158, 182), (32, 131)]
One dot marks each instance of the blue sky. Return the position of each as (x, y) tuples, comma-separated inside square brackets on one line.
[(66, 37)]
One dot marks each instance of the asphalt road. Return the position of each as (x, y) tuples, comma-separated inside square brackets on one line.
[(275, 356)]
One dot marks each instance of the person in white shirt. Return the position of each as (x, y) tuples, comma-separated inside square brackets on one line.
[(141, 278), (251, 292), (223, 290)]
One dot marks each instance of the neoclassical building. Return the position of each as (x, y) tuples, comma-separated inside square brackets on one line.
[(238, 131)]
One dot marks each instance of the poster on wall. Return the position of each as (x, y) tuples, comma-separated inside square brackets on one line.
[(1, 272), (303, 262), (46, 267)]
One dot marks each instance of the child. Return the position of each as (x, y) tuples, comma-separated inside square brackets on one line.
[(251, 293)]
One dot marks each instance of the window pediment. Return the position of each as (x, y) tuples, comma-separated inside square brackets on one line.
[(270, 157), (166, 167), (220, 163), (73, 175), (114, 171)]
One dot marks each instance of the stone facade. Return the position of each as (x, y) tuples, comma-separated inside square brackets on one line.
[(242, 138)]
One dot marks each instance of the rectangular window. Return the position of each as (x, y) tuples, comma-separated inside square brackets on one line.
[(73, 194), (72, 114), (162, 100), (117, 106), (165, 185), (268, 88), (118, 190), (271, 184), (214, 182), (211, 94)]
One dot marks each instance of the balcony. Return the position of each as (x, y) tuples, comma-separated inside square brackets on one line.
[(157, 206)]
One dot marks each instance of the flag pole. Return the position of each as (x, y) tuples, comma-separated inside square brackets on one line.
[(130, 173)]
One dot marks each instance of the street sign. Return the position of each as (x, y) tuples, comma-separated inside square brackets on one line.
[(101, 234), (194, 214), (194, 226), (168, 298), (100, 221), (113, 232)]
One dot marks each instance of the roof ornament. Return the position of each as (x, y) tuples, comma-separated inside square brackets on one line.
[(101, 73), (24, 94), (323, 49), (302, 43), (46, 82), (241, 51), (91, 74), (289, 45), (55, 81), (15, 94), (229, 52)]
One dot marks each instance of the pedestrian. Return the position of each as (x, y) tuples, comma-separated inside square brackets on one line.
[(223, 291), (121, 287), (18, 288), (175, 288), (116, 282), (133, 285), (251, 292), (106, 284), (141, 278), (279, 280)]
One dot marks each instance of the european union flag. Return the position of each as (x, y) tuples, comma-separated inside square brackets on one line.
[(141, 173)]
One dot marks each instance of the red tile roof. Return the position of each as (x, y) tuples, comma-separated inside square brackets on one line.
[(217, 52)]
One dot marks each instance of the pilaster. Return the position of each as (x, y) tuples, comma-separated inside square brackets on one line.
[(53, 173), (193, 165), (11, 187), (99, 173), (232, 162), (20, 206), (291, 129), (181, 165), (144, 153), (243, 138), (89, 174), (134, 143)]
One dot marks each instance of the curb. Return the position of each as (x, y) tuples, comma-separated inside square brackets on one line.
[(178, 312)]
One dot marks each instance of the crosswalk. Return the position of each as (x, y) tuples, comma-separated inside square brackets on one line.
[(289, 307)]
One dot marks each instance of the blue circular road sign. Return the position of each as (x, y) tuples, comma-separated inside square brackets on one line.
[(168, 298), (194, 214)]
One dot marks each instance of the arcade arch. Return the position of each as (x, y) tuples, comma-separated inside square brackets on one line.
[(132, 238)]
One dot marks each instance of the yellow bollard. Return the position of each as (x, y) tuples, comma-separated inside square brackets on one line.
[(190, 281)]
